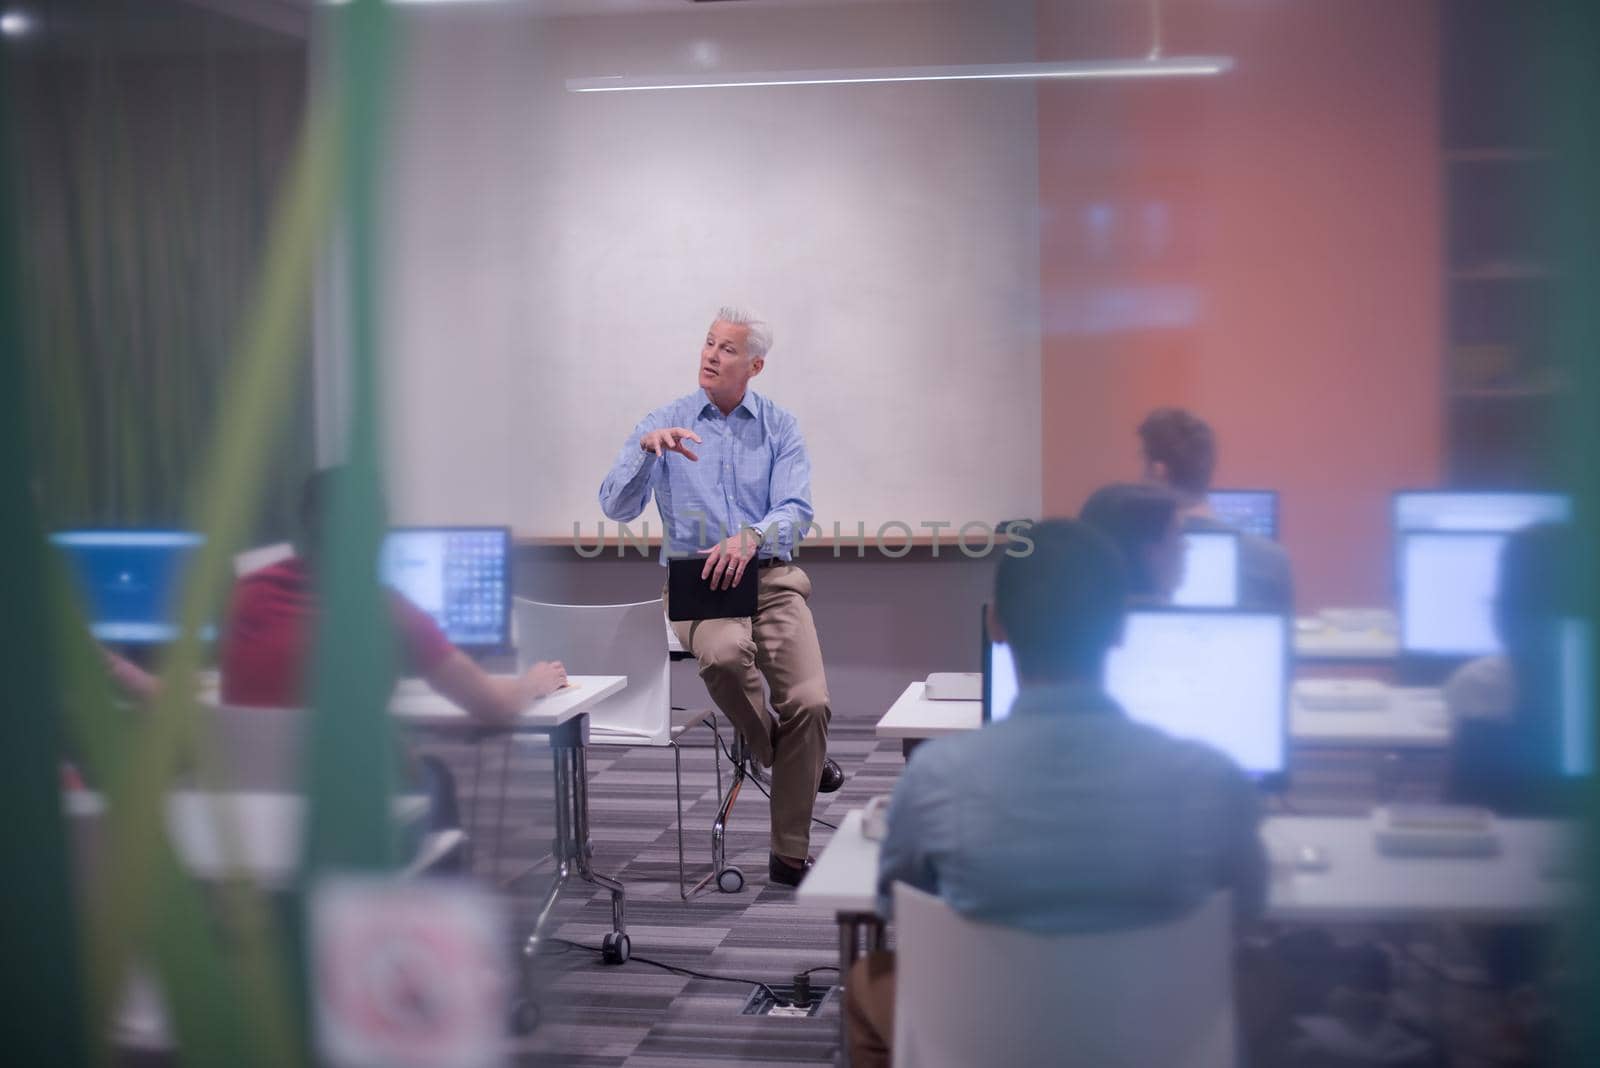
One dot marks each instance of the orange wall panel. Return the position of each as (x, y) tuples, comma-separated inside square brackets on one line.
[(1263, 247)]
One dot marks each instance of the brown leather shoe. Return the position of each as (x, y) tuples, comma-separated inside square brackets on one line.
[(782, 873)]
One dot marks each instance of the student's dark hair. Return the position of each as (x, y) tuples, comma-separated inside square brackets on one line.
[(1182, 441), (1062, 604), (1537, 582), (1134, 516), (316, 498)]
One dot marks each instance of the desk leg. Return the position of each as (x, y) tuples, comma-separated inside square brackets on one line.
[(571, 847), (584, 850), (852, 927)]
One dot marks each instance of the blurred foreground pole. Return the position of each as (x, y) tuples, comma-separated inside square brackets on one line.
[(41, 1002), (1574, 56), (352, 750)]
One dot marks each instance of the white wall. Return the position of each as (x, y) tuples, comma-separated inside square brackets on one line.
[(554, 258)]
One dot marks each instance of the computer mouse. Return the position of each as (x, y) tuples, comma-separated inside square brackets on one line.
[(1310, 858)]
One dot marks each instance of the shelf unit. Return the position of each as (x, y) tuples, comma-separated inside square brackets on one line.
[(1500, 378)]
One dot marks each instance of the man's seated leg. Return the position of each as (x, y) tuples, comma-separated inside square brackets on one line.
[(726, 653), (790, 657), (869, 1010)]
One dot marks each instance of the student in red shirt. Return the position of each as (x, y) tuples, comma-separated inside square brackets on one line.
[(270, 625)]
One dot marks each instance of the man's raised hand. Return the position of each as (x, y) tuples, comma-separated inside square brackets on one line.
[(670, 439)]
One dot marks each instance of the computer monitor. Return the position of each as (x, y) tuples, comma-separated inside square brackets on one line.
[(1210, 570), (1483, 512), (461, 576), (1219, 677), (129, 581), (1252, 511), (1448, 580)]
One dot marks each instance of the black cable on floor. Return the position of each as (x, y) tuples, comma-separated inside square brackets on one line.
[(757, 983), (758, 784)]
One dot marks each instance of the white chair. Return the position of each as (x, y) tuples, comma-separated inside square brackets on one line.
[(974, 993), (618, 639)]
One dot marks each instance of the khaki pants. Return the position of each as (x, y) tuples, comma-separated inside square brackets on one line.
[(869, 1010), (779, 643)]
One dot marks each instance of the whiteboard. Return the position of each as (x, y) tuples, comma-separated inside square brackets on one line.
[(554, 260)]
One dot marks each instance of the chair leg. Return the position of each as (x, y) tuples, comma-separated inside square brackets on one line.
[(685, 891), (716, 756), (677, 793), (729, 879)]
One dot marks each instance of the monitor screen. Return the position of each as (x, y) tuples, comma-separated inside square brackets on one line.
[(1215, 677), (1484, 512), (461, 576), (1252, 511), (1447, 589), (1210, 571), (129, 581)]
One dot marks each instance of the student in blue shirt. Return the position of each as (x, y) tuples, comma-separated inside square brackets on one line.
[(730, 475), (1067, 816)]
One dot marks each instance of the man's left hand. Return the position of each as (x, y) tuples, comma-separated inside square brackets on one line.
[(727, 559)]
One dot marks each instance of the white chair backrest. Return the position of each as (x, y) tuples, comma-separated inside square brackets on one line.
[(260, 557), (606, 639), (252, 749), (975, 993)]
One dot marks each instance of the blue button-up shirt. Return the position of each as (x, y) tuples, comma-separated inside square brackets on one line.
[(752, 471), (1069, 816)]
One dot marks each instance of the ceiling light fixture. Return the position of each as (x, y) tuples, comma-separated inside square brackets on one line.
[(1153, 65), (1174, 67)]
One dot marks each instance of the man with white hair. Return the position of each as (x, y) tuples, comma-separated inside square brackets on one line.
[(732, 481)]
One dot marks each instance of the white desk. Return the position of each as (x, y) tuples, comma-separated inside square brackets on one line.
[(219, 836), (418, 705), (561, 716), (1415, 719), (1529, 879), (914, 717), (415, 702)]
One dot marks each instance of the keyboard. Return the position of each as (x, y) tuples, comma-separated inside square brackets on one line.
[(1342, 695)]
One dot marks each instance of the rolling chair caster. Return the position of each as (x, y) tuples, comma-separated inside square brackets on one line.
[(615, 948), (730, 880)]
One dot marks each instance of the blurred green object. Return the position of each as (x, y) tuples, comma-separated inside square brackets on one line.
[(351, 761), (1574, 103), (41, 1000), (151, 139)]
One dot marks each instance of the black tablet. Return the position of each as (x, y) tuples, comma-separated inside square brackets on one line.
[(691, 597)]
